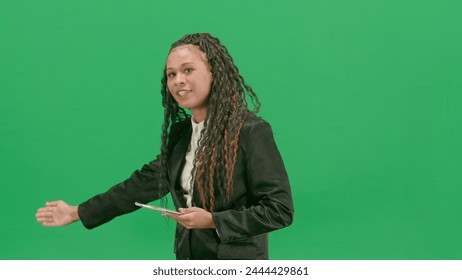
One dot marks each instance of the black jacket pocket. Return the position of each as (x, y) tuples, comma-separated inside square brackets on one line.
[(238, 250)]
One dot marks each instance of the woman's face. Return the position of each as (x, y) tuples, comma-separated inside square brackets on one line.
[(189, 78)]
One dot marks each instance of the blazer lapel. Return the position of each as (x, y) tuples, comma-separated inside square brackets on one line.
[(176, 164)]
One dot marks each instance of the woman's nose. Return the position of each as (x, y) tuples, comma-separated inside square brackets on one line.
[(179, 79)]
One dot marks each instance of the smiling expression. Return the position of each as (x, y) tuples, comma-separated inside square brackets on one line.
[(189, 79)]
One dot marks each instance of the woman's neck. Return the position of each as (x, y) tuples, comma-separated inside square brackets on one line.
[(199, 115)]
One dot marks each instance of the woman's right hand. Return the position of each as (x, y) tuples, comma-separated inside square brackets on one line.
[(57, 213)]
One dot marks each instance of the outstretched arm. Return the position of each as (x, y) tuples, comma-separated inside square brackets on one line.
[(57, 213)]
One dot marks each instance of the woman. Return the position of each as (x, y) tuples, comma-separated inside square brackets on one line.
[(221, 164)]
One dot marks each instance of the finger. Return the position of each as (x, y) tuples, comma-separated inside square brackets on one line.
[(42, 214), (52, 203), (45, 209), (187, 210), (45, 220), (49, 224), (172, 216)]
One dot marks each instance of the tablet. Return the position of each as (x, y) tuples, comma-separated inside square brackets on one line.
[(155, 208)]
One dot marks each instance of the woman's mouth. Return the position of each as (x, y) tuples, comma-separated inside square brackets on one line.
[(182, 93)]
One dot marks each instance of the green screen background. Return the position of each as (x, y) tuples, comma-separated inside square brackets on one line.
[(364, 98)]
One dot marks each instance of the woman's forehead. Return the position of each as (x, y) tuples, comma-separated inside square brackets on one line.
[(185, 53)]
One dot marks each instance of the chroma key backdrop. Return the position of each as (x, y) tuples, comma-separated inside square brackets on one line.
[(364, 98)]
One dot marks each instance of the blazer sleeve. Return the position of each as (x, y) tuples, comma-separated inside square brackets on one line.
[(267, 184), (142, 186)]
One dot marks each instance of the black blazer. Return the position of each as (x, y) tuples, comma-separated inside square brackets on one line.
[(261, 200)]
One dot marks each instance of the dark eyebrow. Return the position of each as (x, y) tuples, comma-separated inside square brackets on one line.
[(182, 65)]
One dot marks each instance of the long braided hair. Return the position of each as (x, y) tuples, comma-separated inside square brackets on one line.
[(228, 105)]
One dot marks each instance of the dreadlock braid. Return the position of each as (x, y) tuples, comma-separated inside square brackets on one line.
[(228, 106)]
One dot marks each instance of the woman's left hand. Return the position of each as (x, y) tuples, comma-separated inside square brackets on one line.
[(193, 217)]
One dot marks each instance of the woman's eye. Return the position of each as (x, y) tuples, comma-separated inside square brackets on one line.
[(170, 75), (187, 70)]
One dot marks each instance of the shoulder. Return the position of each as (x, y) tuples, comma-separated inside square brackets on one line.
[(254, 127), (253, 122), (178, 130)]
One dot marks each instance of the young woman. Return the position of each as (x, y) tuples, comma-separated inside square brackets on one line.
[(220, 164)]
